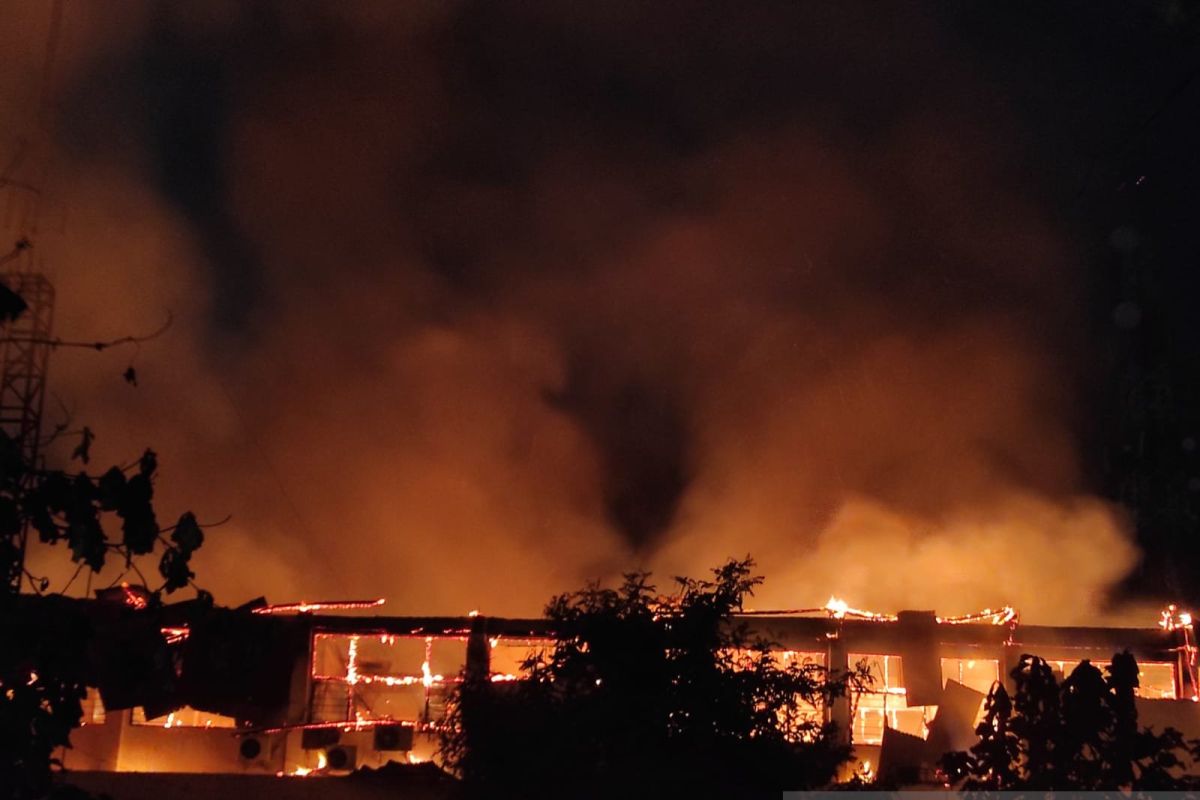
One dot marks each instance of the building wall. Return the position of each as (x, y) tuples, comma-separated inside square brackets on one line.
[(149, 748), (93, 747), (440, 647), (119, 745)]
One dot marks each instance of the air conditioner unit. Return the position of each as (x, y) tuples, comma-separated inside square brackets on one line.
[(393, 737), (250, 748), (343, 758), (256, 753)]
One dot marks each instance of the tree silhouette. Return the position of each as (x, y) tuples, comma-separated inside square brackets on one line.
[(1082, 734), (646, 695), (46, 642)]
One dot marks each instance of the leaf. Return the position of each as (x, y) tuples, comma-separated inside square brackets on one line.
[(83, 449), (173, 566), (187, 533), (139, 526), (55, 492), (48, 532), (141, 531), (83, 493), (138, 492), (111, 488), (87, 539), (148, 463)]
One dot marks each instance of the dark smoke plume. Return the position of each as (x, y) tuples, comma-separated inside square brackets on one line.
[(479, 300)]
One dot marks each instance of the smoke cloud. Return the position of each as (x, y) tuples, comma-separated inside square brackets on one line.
[(475, 302)]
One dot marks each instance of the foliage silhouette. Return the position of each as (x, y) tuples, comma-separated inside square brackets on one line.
[(1081, 734), (648, 695), (45, 645)]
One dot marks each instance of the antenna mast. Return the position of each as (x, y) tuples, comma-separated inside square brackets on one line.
[(26, 340)]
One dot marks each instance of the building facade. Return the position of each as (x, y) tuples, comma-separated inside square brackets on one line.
[(327, 693)]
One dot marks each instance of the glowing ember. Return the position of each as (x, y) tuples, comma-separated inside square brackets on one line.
[(1173, 618), (839, 609), (427, 677), (132, 598), (352, 676), (1000, 616), (341, 725), (175, 635), (308, 772), (328, 605)]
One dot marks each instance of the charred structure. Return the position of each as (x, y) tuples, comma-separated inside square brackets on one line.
[(305, 691)]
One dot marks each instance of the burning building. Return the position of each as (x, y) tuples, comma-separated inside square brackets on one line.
[(326, 688)]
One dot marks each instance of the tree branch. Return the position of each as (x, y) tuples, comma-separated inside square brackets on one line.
[(96, 345), (78, 569), (170, 528), (20, 246)]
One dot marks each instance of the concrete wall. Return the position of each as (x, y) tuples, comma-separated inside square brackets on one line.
[(119, 745), (148, 748), (93, 746)]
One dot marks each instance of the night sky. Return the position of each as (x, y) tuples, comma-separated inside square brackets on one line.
[(496, 297)]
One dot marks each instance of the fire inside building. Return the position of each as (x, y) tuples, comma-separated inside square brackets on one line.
[(327, 688)]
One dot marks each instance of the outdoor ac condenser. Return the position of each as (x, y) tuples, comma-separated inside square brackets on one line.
[(342, 758), (393, 737), (257, 753)]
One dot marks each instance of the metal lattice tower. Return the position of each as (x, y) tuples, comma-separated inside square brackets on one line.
[(25, 341), (25, 358)]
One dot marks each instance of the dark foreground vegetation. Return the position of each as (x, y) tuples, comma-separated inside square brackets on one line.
[(47, 651), (1081, 734), (659, 696), (669, 696)]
